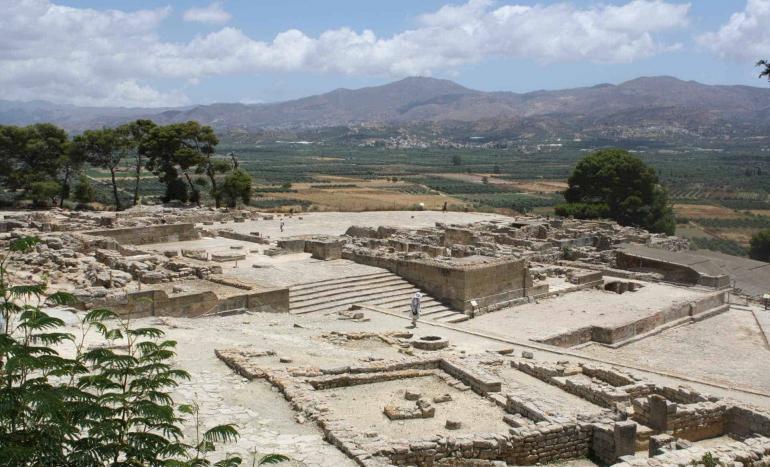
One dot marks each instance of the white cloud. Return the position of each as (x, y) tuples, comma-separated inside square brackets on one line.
[(211, 14), (87, 56), (745, 36)]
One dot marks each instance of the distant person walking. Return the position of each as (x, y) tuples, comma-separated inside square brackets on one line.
[(281, 226), (444, 208), (415, 305)]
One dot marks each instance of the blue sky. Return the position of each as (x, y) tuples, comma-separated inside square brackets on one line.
[(154, 52)]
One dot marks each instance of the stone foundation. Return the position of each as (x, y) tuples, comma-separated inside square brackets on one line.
[(163, 233), (629, 332), (487, 282)]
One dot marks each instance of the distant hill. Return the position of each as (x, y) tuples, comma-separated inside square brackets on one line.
[(654, 105)]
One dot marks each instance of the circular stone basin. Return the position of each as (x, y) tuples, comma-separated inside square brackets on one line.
[(430, 343)]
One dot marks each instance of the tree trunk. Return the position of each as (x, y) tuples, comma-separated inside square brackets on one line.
[(115, 189), (193, 189), (65, 186), (214, 190), (138, 176)]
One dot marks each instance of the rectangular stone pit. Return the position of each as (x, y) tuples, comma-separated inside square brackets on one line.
[(364, 408)]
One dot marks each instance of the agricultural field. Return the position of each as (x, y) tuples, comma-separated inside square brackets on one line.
[(721, 196)]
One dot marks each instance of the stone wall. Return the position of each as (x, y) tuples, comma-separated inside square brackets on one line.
[(744, 420), (545, 442), (548, 443), (190, 305), (752, 452), (693, 422), (493, 281), (162, 233), (253, 237), (324, 249), (612, 441), (292, 245), (613, 335), (672, 272)]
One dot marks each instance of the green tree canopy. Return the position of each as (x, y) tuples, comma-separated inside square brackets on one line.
[(31, 154), (84, 191), (237, 186), (760, 246), (177, 149), (105, 149), (620, 185)]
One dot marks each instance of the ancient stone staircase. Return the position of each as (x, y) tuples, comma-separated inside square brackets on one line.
[(382, 289)]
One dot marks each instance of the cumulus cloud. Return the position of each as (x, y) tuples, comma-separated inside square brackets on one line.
[(745, 36), (96, 57), (211, 14)]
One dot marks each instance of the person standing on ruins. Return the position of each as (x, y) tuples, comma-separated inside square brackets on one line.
[(416, 308)]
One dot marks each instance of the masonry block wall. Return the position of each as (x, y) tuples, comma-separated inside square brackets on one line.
[(159, 303), (672, 272), (493, 281), (150, 234)]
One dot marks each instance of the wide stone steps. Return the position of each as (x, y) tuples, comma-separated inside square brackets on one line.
[(306, 296), (344, 300), (319, 286), (382, 289)]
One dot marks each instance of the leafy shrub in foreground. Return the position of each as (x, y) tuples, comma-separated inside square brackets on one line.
[(106, 405)]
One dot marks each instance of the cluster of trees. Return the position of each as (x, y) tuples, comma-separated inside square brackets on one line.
[(612, 183), (41, 162)]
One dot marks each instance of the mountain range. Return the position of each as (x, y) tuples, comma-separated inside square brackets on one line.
[(648, 106)]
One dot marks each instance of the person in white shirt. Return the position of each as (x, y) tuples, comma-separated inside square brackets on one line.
[(415, 305)]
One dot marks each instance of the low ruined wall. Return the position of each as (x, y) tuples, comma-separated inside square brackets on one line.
[(268, 301), (518, 405), (672, 272), (158, 303), (162, 233), (693, 422), (479, 380), (612, 377), (744, 420), (190, 305), (521, 447), (624, 332), (293, 245), (570, 338), (252, 237), (612, 441), (324, 249), (499, 280), (753, 452)]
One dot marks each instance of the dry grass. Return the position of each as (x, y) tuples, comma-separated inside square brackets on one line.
[(742, 236), (525, 186), (692, 231), (706, 210), (366, 195), (539, 186)]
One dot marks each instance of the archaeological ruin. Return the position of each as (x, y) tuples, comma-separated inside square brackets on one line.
[(539, 340)]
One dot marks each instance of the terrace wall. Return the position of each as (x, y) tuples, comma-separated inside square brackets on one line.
[(488, 283), (190, 305), (625, 332), (145, 235)]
